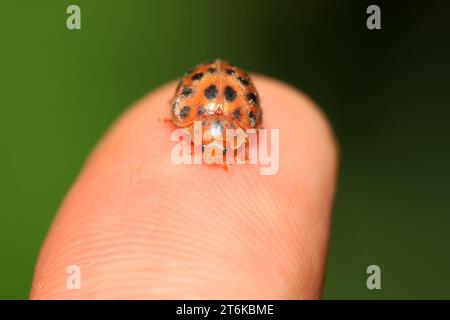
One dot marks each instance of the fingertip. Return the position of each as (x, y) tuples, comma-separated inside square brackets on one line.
[(141, 227)]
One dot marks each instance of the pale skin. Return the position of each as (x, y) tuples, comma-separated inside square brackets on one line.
[(140, 227)]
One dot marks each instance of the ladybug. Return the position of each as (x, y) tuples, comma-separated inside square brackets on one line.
[(219, 95)]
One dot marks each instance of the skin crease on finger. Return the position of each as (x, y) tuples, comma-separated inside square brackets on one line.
[(140, 227)]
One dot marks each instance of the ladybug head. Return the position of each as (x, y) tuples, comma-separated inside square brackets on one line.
[(217, 129)]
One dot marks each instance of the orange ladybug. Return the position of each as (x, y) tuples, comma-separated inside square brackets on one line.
[(219, 95)]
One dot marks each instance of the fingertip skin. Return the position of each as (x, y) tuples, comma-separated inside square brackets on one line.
[(140, 227)]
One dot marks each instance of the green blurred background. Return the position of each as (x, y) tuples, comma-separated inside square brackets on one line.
[(386, 93)]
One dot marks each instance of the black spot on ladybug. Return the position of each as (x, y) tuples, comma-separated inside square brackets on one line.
[(244, 81), (230, 93), (252, 98), (211, 92), (197, 76), (212, 70), (252, 118), (237, 113), (201, 111), (184, 112), (230, 72), (186, 91)]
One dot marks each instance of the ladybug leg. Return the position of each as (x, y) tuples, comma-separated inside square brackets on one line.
[(165, 120), (243, 158), (224, 159), (246, 159)]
